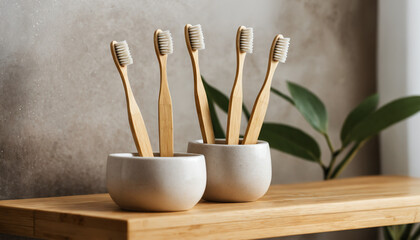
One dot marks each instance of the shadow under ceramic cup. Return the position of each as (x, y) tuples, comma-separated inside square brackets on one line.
[(156, 184), (235, 173)]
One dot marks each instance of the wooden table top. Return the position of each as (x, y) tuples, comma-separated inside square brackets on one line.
[(290, 209)]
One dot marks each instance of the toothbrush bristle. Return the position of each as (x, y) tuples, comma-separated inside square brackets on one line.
[(280, 50), (247, 40), (165, 42), (123, 53), (196, 37)]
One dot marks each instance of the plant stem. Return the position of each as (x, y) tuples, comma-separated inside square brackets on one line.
[(347, 159), (386, 233), (416, 234), (324, 169), (334, 156), (407, 231), (330, 146)]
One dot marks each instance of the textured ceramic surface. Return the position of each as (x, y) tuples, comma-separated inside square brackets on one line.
[(235, 173), (156, 184)]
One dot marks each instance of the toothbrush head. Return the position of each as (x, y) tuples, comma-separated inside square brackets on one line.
[(196, 37), (246, 39), (165, 42), (280, 49), (123, 53)]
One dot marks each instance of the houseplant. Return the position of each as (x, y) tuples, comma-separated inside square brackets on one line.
[(362, 123)]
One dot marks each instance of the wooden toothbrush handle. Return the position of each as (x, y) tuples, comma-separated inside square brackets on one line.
[(235, 105), (260, 109), (135, 119), (202, 104), (137, 126), (166, 128)]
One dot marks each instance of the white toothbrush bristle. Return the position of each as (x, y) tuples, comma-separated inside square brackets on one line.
[(280, 50), (165, 42), (196, 37), (123, 53), (247, 40)]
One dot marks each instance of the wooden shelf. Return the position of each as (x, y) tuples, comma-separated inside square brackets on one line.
[(286, 210)]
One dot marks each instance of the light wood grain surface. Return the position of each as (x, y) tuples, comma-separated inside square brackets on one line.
[(286, 210)]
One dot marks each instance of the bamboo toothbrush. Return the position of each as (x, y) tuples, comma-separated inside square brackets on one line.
[(163, 47), (278, 53), (244, 44), (122, 58), (195, 41)]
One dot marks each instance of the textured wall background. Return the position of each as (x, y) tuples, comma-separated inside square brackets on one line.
[(62, 105)]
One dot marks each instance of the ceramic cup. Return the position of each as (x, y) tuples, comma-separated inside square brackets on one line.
[(235, 173), (156, 184)]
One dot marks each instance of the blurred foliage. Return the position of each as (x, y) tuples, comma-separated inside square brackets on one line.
[(361, 124)]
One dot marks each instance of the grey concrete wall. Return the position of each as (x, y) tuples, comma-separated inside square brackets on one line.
[(62, 106)]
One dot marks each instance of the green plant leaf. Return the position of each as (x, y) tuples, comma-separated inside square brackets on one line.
[(246, 112), (291, 140), (387, 233), (215, 95), (398, 232), (310, 106), (221, 99), (358, 114), (347, 159), (416, 233), (407, 231), (384, 117), (217, 127), (282, 95)]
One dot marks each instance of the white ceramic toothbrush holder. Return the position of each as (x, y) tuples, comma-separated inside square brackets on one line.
[(156, 184), (235, 173)]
